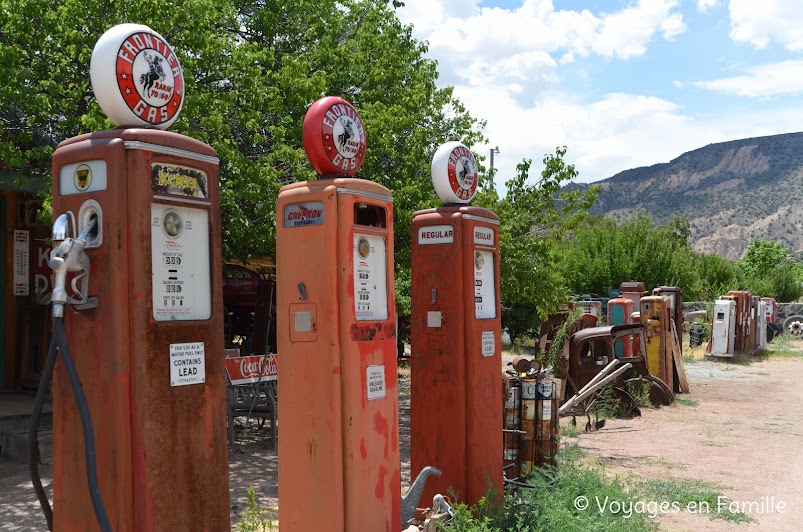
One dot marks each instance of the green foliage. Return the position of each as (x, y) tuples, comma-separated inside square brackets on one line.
[(704, 497), (257, 518), (640, 391), (717, 276), (552, 356), (762, 256), (608, 405), (550, 506), (767, 269), (603, 255), (251, 68), (535, 215)]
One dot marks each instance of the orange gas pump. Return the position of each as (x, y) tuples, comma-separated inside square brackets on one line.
[(336, 333), (456, 395), (138, 224)]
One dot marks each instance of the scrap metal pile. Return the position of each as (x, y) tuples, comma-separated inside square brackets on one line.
[(636, 356)]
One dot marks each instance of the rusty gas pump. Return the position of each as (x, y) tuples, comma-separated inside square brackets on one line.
[(456, 397), (336, 332), (656, 317), (137, 264)]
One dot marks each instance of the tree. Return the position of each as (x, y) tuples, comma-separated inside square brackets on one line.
[(602, 256), (762, 256), (535, 217), (767, 269), (252, 68)]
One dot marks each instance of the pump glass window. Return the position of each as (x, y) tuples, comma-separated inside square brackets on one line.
[(370, 278), (484, 285)]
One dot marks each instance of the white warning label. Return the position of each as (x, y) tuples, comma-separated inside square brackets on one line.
[(187, 364), (488, 343), (375, 382), (180, 263)]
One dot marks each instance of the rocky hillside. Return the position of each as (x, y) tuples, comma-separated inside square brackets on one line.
[(731, 192)]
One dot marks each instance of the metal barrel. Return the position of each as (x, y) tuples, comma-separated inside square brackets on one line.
[(512, 423), (528, 422), (546, 426)]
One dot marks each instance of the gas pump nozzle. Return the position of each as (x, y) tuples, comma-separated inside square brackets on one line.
[(68, 257)]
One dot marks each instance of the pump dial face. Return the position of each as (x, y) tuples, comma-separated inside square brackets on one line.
[(363, 247), (172, 224), (479, 260)]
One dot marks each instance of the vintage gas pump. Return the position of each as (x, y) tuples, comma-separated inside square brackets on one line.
[(633, 290), (656, 318), (620, 312), (761, 324), (336, 332), (675, 295), (755, 303), (742, 298), (456, 396), (772, 309), (138, 223), (723, 328)]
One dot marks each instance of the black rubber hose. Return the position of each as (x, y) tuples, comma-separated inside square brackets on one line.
[(33, 433), (86, 424)]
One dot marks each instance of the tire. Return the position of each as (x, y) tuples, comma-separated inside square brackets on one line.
[(793, 326)]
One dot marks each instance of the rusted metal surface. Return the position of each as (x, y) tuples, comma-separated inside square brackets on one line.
[(656, 317), (620, 312), (546, 441), (675, 295), (451, 366), (743, 302), (512, 425), (161, 450)]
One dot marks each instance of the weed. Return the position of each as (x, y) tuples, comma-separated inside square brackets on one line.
[(570, 430), (552, 356), (686, 401), (607, 404), (666, 464), (552, 503), (257, 518), (640, 391), (693, 495)]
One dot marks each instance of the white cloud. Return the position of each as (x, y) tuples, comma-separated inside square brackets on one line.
[(610, 134), (758, 22), (519, 47), (704, 5), (761, 81), (506, 65)]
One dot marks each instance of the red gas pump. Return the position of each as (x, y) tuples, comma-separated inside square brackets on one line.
[(336, 332), (138, 225), (456, 398)]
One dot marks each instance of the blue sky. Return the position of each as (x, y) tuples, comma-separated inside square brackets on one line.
[(621, 83)]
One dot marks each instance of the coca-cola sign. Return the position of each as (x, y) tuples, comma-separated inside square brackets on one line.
[(246, 370)]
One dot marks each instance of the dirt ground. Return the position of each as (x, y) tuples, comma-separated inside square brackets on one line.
[(738, 428)]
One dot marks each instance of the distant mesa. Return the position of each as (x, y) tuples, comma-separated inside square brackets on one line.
[(731, 191)]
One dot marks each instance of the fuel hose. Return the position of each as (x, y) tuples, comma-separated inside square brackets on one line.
[(59, 342)]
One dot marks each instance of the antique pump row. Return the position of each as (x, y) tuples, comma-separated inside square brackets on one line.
[(138, 296)]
